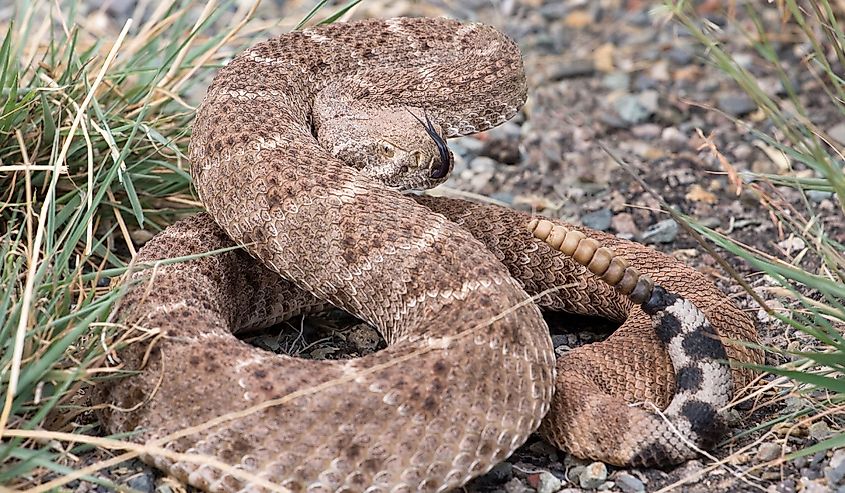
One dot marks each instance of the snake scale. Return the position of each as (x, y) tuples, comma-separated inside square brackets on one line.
[(300, 151)]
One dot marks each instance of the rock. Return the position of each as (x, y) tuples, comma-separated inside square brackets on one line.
[(629, 483), (624, 224), (742, 152), (662, 232), (143, 482), (736, 104), (480, 180), (673, 136), (616, 81), (515, 485), (660, 71), (631, 110), (121, 9), (768, 451), (604, 56), (140, 236), (574, 473), (680, 56), (649, 100), (643, 82), (812, 486), (835, 470), (467, 146), (837, 132), (818, 196), (697, 193), (785, 486), (548, 483), (646, 131), (593, 475), (578, 19), (599, 219), (575, 68), (744, 60), (819, 430), (482, 164)]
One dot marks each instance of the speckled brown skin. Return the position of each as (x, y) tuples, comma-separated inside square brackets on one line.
[(590, 416), (468, 372)]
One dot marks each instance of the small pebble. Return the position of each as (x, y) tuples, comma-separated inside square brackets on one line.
[(819, 430), (140, 236), (744, 60), (623, 223), (809, 485), (837, 132), (785, 486), (482, 164), (599, 220), (649, 100), (616, 81), (143, 482), (768, 451), (467, 145), (835, 470), (646, 131), (673, 135), (629, 483), (742, 152), (593, 475), (643, 82), (631, 110), (575, 68), (515, 485), (818, 196), (573, 474), (548, 483), (662, 232), (736, 104), (679, 56)]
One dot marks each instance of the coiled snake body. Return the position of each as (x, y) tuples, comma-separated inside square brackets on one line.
[(299, 151)]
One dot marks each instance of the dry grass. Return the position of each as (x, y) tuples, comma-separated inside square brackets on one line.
[(94, 124)]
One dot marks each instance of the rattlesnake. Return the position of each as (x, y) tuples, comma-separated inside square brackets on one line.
[(299, 151)]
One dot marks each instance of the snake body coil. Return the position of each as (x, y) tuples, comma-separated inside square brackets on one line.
[(298, 152)]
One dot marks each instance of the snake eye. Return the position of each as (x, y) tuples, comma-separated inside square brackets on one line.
[(386, 149)]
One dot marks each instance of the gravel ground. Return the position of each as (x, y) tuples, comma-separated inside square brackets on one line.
[(614, 72)]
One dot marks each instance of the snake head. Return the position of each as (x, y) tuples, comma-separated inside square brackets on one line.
[(392, 145)]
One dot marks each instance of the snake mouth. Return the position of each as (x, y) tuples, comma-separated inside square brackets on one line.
[(441, 169)]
